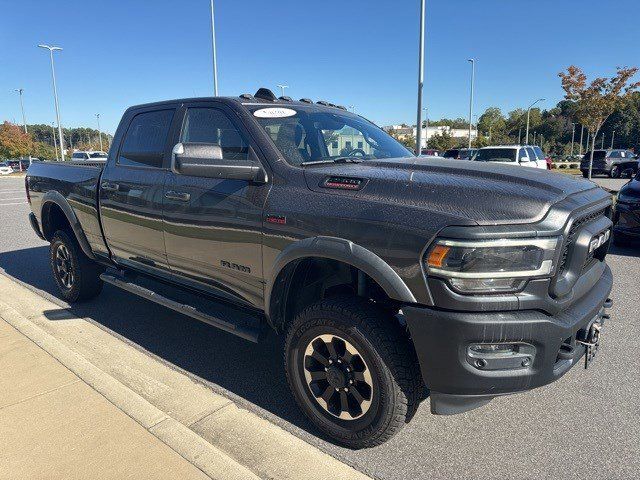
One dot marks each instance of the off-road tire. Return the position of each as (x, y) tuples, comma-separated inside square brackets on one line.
[(86, 273), (389, 354)]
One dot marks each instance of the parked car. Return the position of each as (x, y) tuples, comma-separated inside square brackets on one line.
[(521, 155), (627, 213), (610, 162), (5, 168), (430, 152), (19, 165), (390, 276), (542, 157), (89, 155), (460, 153)]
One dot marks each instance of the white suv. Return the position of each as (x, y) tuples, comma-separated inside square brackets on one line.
[(523, 156), (89, 155)]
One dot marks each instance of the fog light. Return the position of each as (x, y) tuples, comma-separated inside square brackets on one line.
[(493, 348), (500, 356)]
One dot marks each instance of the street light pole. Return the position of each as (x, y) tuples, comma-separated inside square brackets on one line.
[(420, 78), (426, 128), (55, 145), (24, 120), (602, 145), (526, 140), (613, 135), (581, 134), (55, 96), (282, 87), (473, 77), (213, 47), (99, 131), (573, 136)]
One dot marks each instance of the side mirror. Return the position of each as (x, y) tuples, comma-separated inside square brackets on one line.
[(205, 160)]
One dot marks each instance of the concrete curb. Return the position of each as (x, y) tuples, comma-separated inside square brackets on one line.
[(222, 440)]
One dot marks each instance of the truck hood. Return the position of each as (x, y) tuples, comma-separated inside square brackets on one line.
[(484, 193)]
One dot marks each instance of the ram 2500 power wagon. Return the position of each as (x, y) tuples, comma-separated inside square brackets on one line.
[(392, 277)]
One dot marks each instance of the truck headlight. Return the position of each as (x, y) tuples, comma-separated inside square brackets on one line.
[(491, 266)]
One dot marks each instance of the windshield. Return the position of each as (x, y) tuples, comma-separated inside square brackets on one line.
[(496, 155), (308, 134)]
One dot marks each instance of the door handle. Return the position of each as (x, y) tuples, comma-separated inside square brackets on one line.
[(180, 196), (110, 187)]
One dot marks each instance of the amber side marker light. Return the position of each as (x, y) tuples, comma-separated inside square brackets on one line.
[(437, 255)]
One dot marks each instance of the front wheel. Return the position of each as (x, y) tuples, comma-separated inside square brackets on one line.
[(77, 277), (615, 172), (352, 370)]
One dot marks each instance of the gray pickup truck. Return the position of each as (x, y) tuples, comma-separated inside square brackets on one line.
[(392, 278)]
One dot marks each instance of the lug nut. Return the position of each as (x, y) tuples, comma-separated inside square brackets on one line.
[(526, 362), (350, 382), (480, 363)]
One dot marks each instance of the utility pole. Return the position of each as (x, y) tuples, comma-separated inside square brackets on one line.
[(426, 128), (613, 135), (526, 140), (573, 136), (473, 78), (213, 47), (282, 87), (588, 138), (519, 134), (420, 78), (55, 96), (602, 145), (581, 133), (534, 138), (99, 131)]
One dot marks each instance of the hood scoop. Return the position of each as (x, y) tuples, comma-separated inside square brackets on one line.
[(343, 183)]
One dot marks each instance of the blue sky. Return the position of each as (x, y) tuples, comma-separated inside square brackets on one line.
[(356, 52)]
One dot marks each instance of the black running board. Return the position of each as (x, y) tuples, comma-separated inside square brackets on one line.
[(247, 326)]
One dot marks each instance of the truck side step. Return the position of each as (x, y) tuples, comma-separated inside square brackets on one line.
[(222, 316)]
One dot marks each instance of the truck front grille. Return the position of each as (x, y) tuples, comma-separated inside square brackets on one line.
[(573, 233)]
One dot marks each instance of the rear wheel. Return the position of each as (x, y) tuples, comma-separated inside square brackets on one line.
[(77, 276), (352, 370)]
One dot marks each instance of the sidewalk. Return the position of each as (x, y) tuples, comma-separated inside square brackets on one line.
[(53, 425), (76, 401)]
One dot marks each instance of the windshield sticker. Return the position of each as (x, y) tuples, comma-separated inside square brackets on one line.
[(274, 113)]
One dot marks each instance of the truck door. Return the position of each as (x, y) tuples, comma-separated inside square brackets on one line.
[(131, 189), (213, 226)]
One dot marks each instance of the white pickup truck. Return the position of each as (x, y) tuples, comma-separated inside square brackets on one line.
[(524, 156)]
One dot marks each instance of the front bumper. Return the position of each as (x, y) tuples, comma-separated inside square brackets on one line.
[(442, 338)]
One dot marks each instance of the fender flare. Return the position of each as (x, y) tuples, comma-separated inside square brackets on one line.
[(56, 198), (341, 250)]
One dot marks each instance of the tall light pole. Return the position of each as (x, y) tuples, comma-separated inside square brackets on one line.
[(426, 128), (602, 146), (99, 131), (55, 145), (526, 139), (573, 136), (55, 96), (473, 78), (613, 135), (581, 134), (282, 87), (213, 47), (420, 78)]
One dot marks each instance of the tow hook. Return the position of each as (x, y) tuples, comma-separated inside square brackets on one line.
[(591, 342)]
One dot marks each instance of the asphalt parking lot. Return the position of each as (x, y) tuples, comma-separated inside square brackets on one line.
[(587, 424)]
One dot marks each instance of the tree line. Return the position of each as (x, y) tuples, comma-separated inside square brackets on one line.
[(576, 118), (41, 141)]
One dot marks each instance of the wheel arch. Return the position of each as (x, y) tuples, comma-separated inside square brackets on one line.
[(278, 287), (54, 213)]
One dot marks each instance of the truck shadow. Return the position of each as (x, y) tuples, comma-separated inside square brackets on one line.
[(253, 373)]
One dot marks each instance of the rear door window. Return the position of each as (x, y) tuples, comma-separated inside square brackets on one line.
[(531, 153), (145, 141)]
